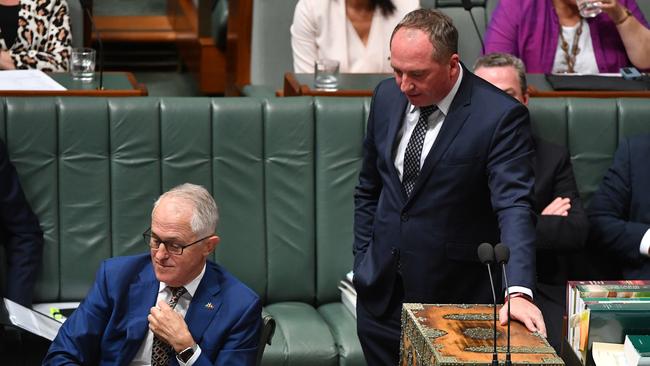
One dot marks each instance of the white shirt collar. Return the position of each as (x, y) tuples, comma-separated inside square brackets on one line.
[(190, 287), (445, 103)]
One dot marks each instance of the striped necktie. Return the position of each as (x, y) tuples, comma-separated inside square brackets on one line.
[(160, 350)]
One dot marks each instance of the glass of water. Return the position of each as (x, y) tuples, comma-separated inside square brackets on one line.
[(82, 64), (589, 8), (326, 74)]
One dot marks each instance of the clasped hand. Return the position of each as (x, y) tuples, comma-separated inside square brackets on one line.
[(169, 326)]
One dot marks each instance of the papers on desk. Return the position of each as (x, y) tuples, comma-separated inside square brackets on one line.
[(608, 354), (32, 321), (349, 294), (27, 80)]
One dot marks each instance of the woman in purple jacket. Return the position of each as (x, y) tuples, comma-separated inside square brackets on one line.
[(551, 36)]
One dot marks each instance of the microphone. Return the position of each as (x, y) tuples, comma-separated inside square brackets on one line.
[(100, 50), (467, 4), (502, 255), (486, 256)]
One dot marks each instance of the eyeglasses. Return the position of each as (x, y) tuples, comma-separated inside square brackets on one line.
[(172, 248)]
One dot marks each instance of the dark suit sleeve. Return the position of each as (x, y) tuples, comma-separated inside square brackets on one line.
[(240, 348), (511, 180), (78, 340), (563, 233), (609, 211), (23, 235), (367, 191)]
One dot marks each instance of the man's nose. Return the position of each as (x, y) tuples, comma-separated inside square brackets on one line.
[(161, 252), (405, 84)]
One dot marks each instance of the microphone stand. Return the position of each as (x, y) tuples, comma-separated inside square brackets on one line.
[(100, 50), (486, 255), (503, 255), (467, 4)]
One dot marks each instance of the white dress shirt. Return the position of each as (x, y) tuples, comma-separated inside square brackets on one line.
[(143, 357), (645, 244)]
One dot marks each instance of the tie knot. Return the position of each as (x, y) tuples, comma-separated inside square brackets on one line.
[(427, 110), (177, 292)]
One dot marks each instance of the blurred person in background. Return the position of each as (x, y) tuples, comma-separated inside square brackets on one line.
[(35, 34), (20, 235), (620, 210), (354, 32), (551, 36)]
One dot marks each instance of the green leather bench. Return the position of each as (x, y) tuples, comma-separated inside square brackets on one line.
[(282, 170)]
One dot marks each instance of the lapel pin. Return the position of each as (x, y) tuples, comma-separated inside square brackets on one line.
[(209, 306)]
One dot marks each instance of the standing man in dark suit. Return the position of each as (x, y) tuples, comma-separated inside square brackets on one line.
[(446, 166), (620, 209), (20, 234), (169, 305), (562, 224)]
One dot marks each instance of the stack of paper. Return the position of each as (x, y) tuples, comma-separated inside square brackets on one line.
[(349, 294)]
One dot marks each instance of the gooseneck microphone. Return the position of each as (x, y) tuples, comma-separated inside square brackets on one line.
[(502, 255), (100, 51), (467, 4), (486, 256)]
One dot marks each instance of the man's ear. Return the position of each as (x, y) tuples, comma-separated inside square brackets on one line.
[(211, 244)]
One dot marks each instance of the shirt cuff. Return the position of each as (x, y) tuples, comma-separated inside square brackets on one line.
[(522, 289), (645, 244), (192, 359)]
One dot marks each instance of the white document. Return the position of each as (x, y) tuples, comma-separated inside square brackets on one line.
[(27, 80), (608, 354), (31, 321)]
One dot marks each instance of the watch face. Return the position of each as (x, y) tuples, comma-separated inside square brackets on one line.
[(186, 354)]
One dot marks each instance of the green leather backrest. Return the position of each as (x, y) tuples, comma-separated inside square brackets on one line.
[(282, 171), (271, 54), (469, 44), (76, 13), (219, 26), (591, 129)]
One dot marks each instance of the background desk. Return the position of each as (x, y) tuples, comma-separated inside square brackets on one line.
[(350, 85), (539, 87), (116, 84), (363, 85)]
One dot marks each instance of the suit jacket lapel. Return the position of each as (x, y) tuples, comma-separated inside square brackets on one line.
[(395, 121), (454, 121), (142, 296), (205, 303)]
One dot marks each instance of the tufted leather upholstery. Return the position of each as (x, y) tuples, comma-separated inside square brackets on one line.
[(282, 171)]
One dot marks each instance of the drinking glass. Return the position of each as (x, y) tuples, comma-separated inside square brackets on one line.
[(326, 74), (589, 8), (82, 64)]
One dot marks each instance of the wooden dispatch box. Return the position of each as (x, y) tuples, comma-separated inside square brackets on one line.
[(457, 334)]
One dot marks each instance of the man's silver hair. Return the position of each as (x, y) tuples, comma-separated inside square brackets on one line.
[(498, 59), (205, 214)]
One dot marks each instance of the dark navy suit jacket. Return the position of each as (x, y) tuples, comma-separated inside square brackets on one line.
[(111, 323), (20, 233), (476, 185), (620, 209)]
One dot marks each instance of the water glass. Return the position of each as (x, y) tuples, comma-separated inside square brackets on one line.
[(326, 74), (82, 64), (589, 8)]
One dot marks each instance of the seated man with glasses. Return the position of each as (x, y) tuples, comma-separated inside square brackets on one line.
[(170, 303)]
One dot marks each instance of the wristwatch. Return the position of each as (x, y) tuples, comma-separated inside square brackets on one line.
[(187, 353), (519, 294)]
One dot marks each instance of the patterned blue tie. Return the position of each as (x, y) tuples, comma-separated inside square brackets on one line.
[(160, 350), (413, 152)]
